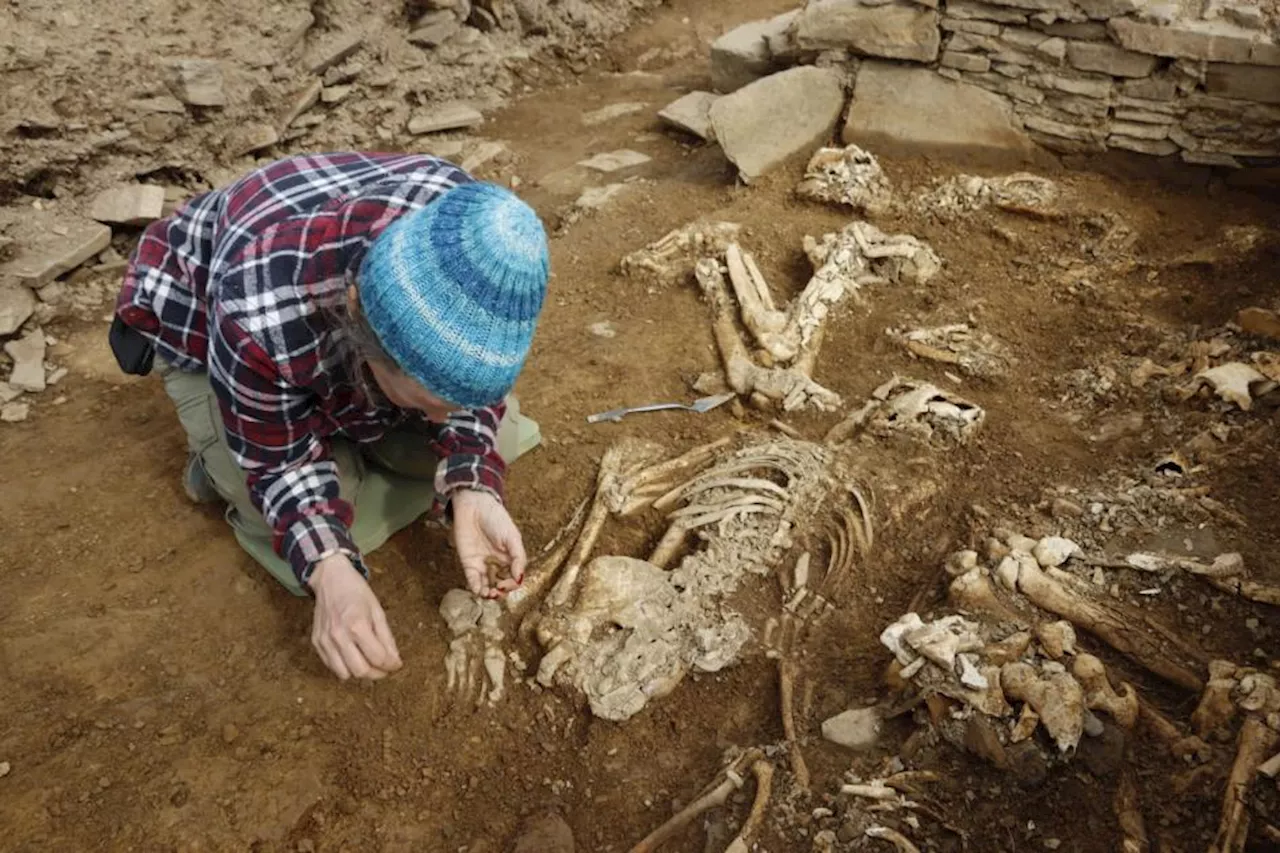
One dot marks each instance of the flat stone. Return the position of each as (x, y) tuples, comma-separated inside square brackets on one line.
[(1259, 321), (8, 393), (446, 117), (856, 729), (335, 94), (1244, 82), (1103, 10), (1142, 116), (1210, 158), (483, 153), (1215, 41), (1151, 89), (16, 305), (1096, 87), (27, 353), (982, 28), (50, 245), (435, 28), (304, 99), (895, 30), (198, 82), (128, 204), (964, 42), (1109, 59), (1086, 31), (692, 114), (915, 107), (159, 104), (251, 137), (1054, 48), (333, 50), (12, 413), (1141, 130), (615, 161), (743, 54), (1156, 148), (763, 124), (611, 112), (973, 62), (1036, 5), (967, 10)]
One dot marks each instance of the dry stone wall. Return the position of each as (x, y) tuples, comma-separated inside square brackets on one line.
[(1199, 79)]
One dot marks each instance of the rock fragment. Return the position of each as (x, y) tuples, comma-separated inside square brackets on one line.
[(611, 112), (333, 50), (615, 161), (763, 124), (16, 305), (128, 204), (198, 82), (692, 114), (857, 728), (27, 353), (446, 117), (743, 54), (893, 30), (52, 244), (12, 413)]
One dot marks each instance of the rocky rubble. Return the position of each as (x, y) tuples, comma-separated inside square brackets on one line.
[(1072, 76)]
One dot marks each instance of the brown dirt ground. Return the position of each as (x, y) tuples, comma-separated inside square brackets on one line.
[(160, 692)]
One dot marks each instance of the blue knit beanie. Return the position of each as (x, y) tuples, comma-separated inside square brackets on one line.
[(453, 291)]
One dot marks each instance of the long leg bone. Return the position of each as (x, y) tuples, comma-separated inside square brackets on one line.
[(763, 771), (788, 386), (786, 689), (897, 839), (1110, 623), (713, 796), (758, 314), (1257, 740), (1129, 814)]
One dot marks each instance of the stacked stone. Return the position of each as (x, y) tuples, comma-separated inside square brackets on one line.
[(1087, 75), (1081, 75)]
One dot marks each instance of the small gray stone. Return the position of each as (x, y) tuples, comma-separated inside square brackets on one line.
[(304, 99), (611, 112), (57, 244), (250, 137), (332, 51), (4, 769), (446, 117), (198, 82), (604, 329), (27, 353), (12, 413), (691, 113), (763, 124), (16, 305), (435, 29), (857, 728), (614, 161)]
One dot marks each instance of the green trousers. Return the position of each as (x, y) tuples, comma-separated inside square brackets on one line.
[(390, 482)]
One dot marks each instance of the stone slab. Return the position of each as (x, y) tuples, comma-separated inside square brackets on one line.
[(742, 55), (446, 117), (198, 82), (914, 107), (692, 114), (1244, 82), (16, 305), (27, 353), (1110, 59), (763, 124), (128, 204), (52, 244), (1215, 41), (895, 30), (333, 50), (615, 161)]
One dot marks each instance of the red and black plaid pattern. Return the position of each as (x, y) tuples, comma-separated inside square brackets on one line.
[(245, 283)]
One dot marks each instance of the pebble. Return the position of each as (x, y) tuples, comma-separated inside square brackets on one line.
[(230, 733), (12, 413), (5, 767), (447, 117), (1052, 551), (1063, 508), (1252, 624), (28, 361), (1052, 843), (613, 161), (604, 329)]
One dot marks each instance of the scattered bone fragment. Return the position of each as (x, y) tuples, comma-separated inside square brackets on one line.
[(713, 796), (1057, 638), (1235, 382), (900, 842), (1057, 698), (958, 345), (924, 411), (1052, 551), (1129, 815), (1021, 192), (671, 259), (847, 176), (1099, 695), (857, 729), (1257, 740)]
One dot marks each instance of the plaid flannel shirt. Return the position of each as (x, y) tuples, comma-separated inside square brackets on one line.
[(244, 282)]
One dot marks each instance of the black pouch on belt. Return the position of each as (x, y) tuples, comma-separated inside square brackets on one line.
[(134, 352)]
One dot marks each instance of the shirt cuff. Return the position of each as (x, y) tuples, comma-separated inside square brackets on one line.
[(309, 540), (467, 471)]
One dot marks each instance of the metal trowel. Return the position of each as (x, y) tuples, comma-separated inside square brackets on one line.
[(705, 404)]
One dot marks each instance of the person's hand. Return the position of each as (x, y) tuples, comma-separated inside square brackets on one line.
[(349, 630), (486, 537)]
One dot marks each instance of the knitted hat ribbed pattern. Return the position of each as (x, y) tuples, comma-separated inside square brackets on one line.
[(453, 291)]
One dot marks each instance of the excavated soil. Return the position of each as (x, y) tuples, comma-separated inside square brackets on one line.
[(159, 691)]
